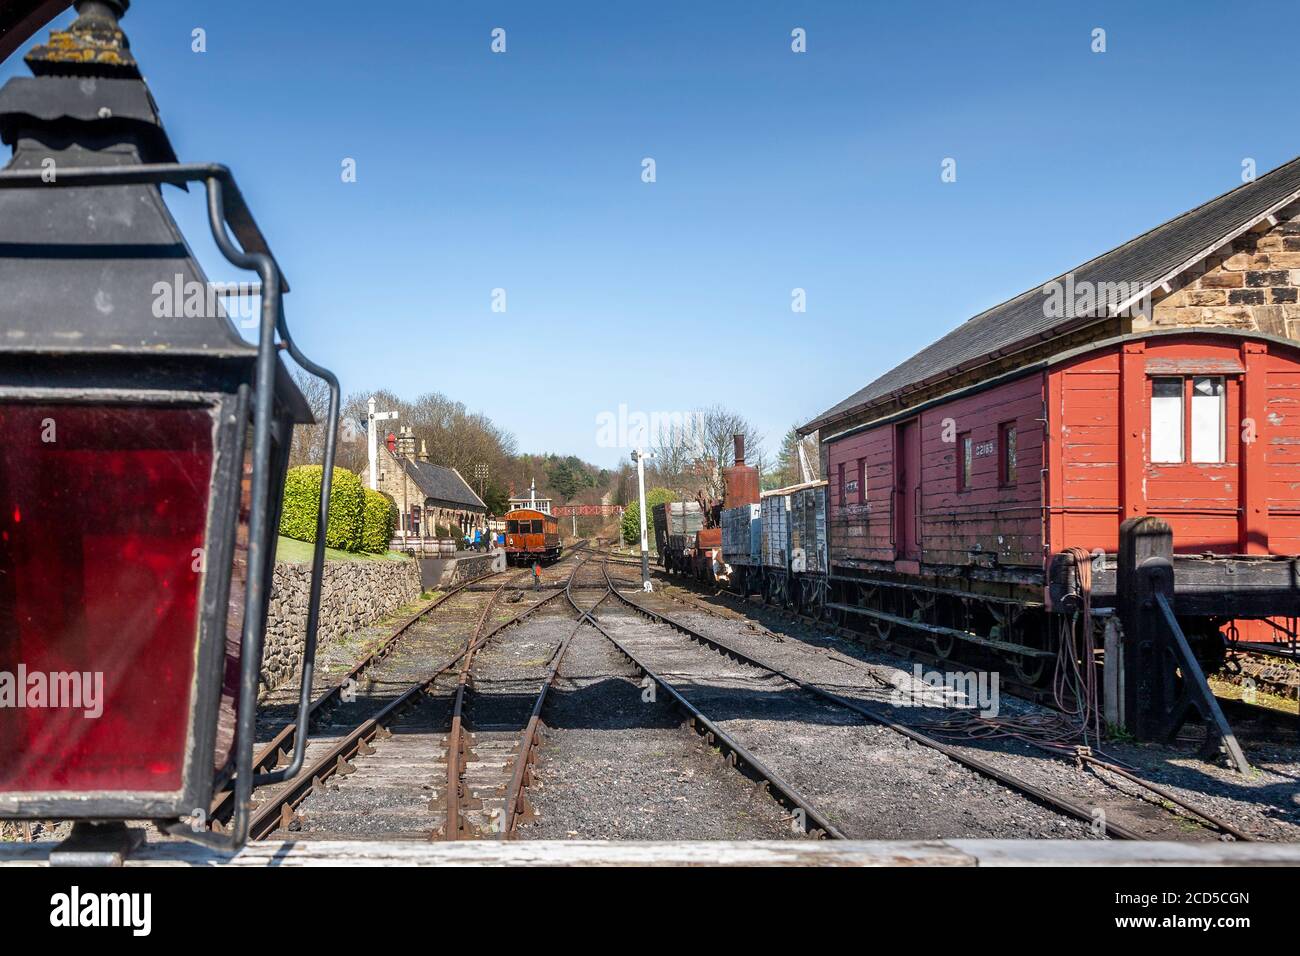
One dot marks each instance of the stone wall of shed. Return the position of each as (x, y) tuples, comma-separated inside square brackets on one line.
[(1255, 287), (353, 595)]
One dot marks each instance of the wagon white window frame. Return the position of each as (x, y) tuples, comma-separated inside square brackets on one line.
[(1188, 419)]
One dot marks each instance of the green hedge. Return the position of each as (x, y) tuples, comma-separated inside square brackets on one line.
[(631, 526), (301, 500), (379, 520)]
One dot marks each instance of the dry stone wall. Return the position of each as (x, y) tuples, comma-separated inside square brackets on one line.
[(353, 595)]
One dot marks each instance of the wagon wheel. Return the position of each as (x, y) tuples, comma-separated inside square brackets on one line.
[(1028, 670), (835, 616), (943, 644)]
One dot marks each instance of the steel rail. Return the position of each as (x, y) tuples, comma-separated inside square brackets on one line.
[(1219, 824), (815, 823), (1062, 804), (278, 811), (1164, 794), (689, 585), (276, 752), (521, 778), (454, 826)]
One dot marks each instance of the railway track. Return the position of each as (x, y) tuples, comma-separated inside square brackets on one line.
[(276, 753), (695, 674), (1250, 721), (438, 752), (379, 690), (447, 750)]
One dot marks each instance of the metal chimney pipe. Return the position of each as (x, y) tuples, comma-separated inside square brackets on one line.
[(740, 448)]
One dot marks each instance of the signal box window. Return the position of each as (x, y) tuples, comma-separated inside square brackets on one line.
[(1173, 430), (965, 460), (1007, 473)]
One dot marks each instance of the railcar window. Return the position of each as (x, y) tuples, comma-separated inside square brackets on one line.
[(966, 461), (1166, 420), (537, 526), (862, 481), (1207, 419), (1009, 474), (512, 527), (843, 488)]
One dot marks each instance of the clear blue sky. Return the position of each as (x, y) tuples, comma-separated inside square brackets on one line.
[(775, 170)]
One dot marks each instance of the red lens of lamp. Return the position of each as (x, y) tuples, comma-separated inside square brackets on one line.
[(103, 510)]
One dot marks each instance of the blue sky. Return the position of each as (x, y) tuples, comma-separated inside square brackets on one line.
[(775, 170)]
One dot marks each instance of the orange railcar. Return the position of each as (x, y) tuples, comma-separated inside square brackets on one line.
[(531, 536)]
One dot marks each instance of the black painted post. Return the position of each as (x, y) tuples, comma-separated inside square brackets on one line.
[(1146, 548)]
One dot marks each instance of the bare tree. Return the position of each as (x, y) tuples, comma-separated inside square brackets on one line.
[(307, 446), (690, 458)]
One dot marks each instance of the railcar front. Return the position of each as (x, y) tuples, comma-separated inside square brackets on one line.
[(531, 537)]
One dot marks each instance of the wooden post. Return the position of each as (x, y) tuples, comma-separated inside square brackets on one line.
[(1163, 681), (1146, 550)]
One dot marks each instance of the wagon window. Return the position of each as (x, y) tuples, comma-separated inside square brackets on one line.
[(1008, 474), (1166, 420), (862, 481), (966, 461), (512, 527), (537, 526), (1207, 419)]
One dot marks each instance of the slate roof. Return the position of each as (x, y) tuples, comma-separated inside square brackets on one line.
[(1145, 262), (444, 484)]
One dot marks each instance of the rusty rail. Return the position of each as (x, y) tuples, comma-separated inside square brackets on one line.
[(454, 824), (278, 811), (521, 778), (737, 755), (276, 752), (1009, 780), (1033, 791)]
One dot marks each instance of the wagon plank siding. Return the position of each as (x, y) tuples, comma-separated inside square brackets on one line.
[(1085, 424), (1279, 431), (957, 526), (861, 531), (964, 525)]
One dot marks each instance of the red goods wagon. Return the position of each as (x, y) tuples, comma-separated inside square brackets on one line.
[(970, 499), (531, 536), (969, 485)]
